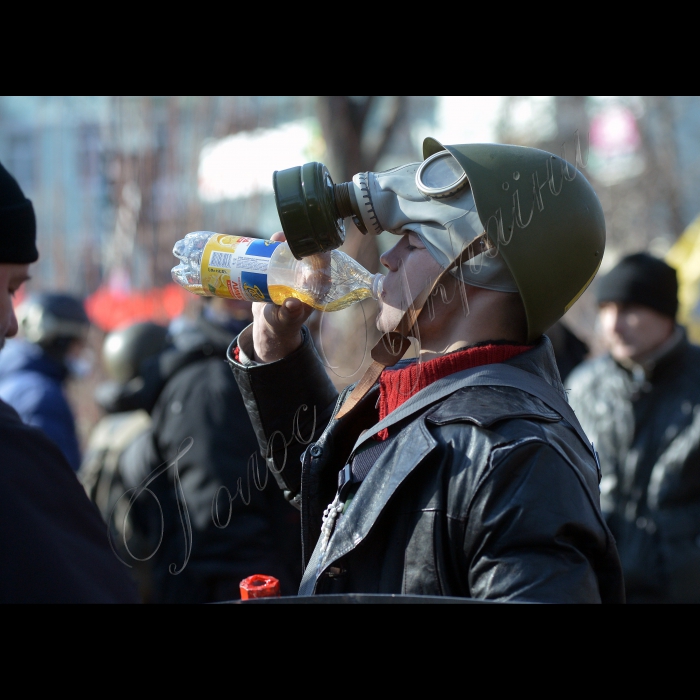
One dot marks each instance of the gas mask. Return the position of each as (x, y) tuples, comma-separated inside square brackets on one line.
[(432, 199)]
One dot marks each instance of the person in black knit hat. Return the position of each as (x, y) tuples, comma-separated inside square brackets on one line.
[(641, 280), (640, 405), (53, 543), (17, 248), (18, 232)]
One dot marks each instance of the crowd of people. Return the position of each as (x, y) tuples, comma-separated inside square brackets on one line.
[(131, 518), (208, 466)]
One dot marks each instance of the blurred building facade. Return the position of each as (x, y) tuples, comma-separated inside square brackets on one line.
[(54, 146), (116, 180), (641, 153)]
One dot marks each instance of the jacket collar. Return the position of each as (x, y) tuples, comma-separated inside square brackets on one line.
[(539, 361)]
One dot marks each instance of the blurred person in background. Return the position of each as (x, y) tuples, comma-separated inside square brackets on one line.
[(640, 405), (53, 543), (34, 370), (195, 396), (126, 353)]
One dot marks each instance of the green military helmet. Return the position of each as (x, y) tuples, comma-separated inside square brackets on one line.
[(542, 215), (125, 349)]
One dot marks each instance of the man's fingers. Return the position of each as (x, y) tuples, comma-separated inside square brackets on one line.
[(292, 308), (276, 329), (293, 312)]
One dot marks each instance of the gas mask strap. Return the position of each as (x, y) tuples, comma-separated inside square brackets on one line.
[(392, 346)]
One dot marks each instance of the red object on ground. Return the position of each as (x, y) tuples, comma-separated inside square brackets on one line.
[(259, 586), (108, 309)]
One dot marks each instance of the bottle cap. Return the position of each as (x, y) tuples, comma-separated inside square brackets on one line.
[(259, 586)]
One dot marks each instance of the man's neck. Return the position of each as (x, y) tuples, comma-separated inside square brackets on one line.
[(484, 318)]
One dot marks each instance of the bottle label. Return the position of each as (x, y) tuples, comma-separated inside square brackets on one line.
[(236, 267)]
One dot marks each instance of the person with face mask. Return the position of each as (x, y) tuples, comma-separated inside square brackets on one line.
[(463, 472), (53, 543), (35, 369), (639, 403)]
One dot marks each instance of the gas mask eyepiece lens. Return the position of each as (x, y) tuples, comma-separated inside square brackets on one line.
[(440, 176)]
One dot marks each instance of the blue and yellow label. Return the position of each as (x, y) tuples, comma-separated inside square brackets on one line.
[(255, 286), (263, 249), (235, 267)]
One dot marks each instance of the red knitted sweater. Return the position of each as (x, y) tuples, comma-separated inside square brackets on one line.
[(398, 385)]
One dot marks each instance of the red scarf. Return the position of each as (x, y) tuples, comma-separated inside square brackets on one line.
[(398, 385)]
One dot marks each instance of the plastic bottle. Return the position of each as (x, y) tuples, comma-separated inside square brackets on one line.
[(253, 269)]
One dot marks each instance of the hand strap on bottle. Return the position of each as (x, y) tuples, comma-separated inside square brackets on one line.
[(392, 346)]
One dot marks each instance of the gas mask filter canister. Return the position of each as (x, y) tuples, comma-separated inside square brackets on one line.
[(432, 199)]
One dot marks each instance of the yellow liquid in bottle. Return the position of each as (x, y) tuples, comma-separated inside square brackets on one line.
[(195, 289), (280, 292)]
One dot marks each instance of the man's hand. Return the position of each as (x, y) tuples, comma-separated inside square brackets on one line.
[(277, 329)]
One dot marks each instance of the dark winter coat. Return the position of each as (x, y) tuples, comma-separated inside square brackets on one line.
[(486, 494), (202, 552), (32, 383), (53, 543), (646, 428)]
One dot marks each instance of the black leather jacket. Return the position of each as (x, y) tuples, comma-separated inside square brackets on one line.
[(486, 494), (646, 428)]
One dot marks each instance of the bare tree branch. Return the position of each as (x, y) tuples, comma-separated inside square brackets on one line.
[(361, 111), (397, 111)]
